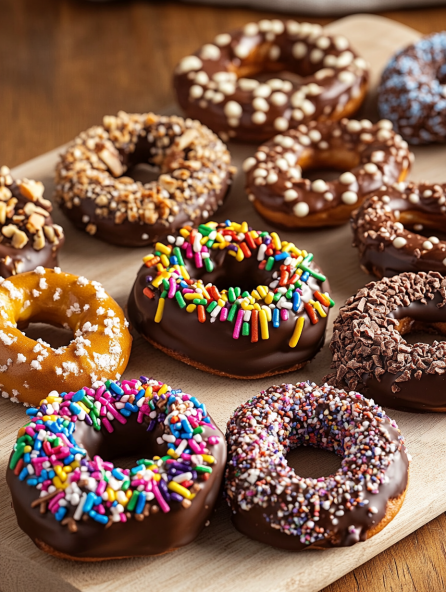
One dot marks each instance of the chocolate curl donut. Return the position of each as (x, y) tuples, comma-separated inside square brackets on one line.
[(371, 354), (271, 504), (74, 502), (367, 154), (95, 193), (384, 229), (218, 86), (29, 237)]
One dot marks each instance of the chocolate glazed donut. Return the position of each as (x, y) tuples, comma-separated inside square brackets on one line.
[(194, 168), (150, 520), (272, 504), (370, 353), (240, 346), (218, 85), (28, 238), (382, 229)]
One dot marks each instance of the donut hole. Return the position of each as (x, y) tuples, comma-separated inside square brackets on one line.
[(415, 331), (313, 462), (143, 172), (423, 223), (55, 336)]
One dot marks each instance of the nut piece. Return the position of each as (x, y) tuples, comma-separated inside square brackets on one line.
[(5, 193), (19, 239), (2, 212), (39, 240), (112, 161), (186, 139), (32, 190), (9, 230), (35, 223)]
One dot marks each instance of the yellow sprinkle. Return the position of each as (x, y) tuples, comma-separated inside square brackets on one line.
[(263, 325), (111, 494), (269, 298), (254, 234), (60, 473), (163, 389), (83, 407), (236, 227), (163, 248), (58, 483), (27, 449), (224, 296), (219, 238), (192, 296), (177, 488), (149, 392), (172, 453), (257, 306), (318, 307), (160, 310), (240, 256), (184, 233), (206, 293), (191, 307), (262, 290), (245, 305), (204, 240), (304, 253), (129, 493), (158, 280), (244, 227), (232, 253), (276, 241), (297, 332), (184, 272), (157, 476), (75, 464), (221, 302), (208, 458), (165, 261), (268, 312), (68, 469), (54, 399), (160, 267), (255, 295)]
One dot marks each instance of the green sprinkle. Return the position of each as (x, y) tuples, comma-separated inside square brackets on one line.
[(206, 230), (332, 302), (269, 264), (125, 484), (198, 430), (210, 243), (132, 503), (158, 253), (24, 439), (208, 264), (237, 292), (57, 442), (315, 274), (178, 255), (277, 296), (17, 455), (163, 294), (212, 305), (231, 295), (245, 329), (86, 401), (203, 469), (166, 285), (152, 405), (246, 294), (202, 301), (232, 312), (180, 299), (289, 294), (94, 421)]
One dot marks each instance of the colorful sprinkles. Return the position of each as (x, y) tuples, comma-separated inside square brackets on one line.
[(73, 486), (262, 431), (252, 313)]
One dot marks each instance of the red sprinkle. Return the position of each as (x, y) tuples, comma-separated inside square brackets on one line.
[(147, 292), (254, 326), (322, 298), (201, 313), (246, 252), (311, 313), (250, 241), (152, 262)]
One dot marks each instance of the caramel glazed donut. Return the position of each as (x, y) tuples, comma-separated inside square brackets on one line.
[(386, 246), (231, 301), (272, 504), (74, 503), (100, 348), (370, 353), (371, 154), (96, 196), (217, 86), (28, 235)]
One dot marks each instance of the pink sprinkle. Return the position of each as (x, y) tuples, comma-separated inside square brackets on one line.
[(140, 417), (96, 475), (189, 252), (103, 410), (100, 509), (39, 426), (123, 517), (193, 444), (238, 324), (108, 426), (102, 486), (198, 260), (115, 414), (284, 314), (188, 291), (108, 466), (100, 392), (75, 475), (30, 431), (224, 314), (172, 288), (213, 440), (159, 498), (55, 500)]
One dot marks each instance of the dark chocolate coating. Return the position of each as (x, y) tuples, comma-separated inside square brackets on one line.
[(157, 533), (211, 345), (378, 222)]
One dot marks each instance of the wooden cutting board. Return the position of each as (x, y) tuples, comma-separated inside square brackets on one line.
[(221, 558)]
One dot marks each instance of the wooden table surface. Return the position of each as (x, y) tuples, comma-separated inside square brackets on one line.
[(65, 64)]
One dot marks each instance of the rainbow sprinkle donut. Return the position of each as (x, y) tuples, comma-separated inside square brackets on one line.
[(272, 504), (231, 300), (61, 464)]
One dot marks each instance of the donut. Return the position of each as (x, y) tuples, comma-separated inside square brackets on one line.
[(74, 502), (101, 343), (272, 504), (231, 301), (368, 154), (28, 236), (218, 85), (371, 354), (97, 196), (411, 92), (384, 229)]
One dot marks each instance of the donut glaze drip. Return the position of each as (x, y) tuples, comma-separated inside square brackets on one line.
[(231, 300), (91, 509), (272, 504)]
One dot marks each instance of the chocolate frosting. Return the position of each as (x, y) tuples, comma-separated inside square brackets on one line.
[(217, 83), (371, 153), (153, 533), (95, 193), (272, 504), (210, 345), (370, 354), (384, 229)]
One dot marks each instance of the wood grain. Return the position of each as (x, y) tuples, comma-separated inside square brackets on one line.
[(62, 66)]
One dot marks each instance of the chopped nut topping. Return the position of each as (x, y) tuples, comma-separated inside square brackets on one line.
[(19, 239), (33, 190)]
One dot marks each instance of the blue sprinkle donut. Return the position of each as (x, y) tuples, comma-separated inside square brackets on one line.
[(412, 92)]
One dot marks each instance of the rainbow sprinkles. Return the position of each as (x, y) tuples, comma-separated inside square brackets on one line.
[(251, 312)]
